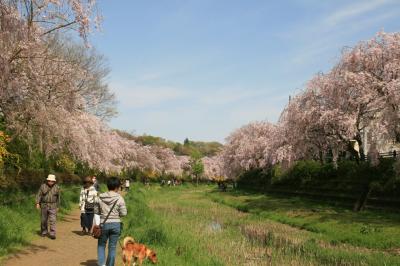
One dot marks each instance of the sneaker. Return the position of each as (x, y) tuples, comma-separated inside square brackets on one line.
[(53, 237)]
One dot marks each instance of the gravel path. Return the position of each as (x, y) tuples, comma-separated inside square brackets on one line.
[(71, 248)]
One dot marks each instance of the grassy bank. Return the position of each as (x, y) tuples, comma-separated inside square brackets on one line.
[(20, 220), (368, 229), (198, 226)]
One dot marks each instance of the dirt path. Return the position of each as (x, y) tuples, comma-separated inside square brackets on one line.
[(69, 249)]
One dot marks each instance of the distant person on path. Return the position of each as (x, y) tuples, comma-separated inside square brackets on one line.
[(110, 203), (86, 204), (48, 201), (127, 184), (95, 183)]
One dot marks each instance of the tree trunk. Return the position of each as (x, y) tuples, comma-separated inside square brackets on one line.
[(321, 157), (335, 156), (360, 144), (362, 200)]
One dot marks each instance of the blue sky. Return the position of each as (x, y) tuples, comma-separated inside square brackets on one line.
[(200, 69)]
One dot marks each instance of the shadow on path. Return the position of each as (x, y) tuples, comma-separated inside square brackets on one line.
[(79, 233), (30, 249), (89, 263)]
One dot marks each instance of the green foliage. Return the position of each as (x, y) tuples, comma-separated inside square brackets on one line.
[(65, 163), (186, 142), (199, 147), (196, 168), (4, 139), (133, 174), (83, 169), (28, 157), (255, 178), (304, 173), (157, 141)]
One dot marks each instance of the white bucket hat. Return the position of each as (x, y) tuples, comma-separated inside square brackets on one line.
[(51, 178)]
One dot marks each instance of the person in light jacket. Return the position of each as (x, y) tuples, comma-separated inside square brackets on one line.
[(127, 184), (111, 229)]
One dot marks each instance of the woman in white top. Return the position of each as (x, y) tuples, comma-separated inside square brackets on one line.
[(86, 204)]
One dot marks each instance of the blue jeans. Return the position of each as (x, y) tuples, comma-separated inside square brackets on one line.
[(109, 231)]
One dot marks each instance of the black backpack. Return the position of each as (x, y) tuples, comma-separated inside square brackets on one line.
[(89, 206)]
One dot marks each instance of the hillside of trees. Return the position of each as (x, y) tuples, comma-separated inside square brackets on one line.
[(186, 148)]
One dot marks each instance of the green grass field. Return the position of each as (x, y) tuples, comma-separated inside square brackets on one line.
[(200, 226), (20, 221)]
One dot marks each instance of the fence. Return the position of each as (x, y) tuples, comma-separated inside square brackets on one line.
[(390, 154), (363, 157)]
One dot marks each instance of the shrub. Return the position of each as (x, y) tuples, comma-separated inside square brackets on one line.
[(302, 173), (31, 178), (68, 178), (65, 163), (254, 179), (4, 139), (349, 169)]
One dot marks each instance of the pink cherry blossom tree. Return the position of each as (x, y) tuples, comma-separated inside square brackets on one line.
[(251, 146), (360, 93), (214, 168)]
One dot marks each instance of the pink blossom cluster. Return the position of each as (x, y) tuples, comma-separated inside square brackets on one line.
[(214, 168), (249, 147)]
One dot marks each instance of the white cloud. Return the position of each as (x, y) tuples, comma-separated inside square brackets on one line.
[(145, 77), (229, 96), (351, 11), (268, 109), (327, 38), (373, 20), (149, 96), (142, 96), (313, 51)]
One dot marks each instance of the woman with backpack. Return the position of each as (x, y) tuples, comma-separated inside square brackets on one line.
[(86, 204)]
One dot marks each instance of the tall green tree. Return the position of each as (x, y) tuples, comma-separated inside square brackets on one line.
[(197, 166)]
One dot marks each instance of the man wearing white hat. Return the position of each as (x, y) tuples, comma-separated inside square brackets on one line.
[(48, 201)]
